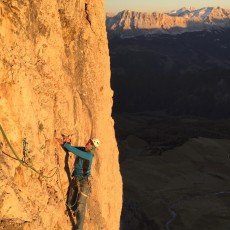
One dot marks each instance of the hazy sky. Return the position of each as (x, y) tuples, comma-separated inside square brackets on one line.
[(160, 5)]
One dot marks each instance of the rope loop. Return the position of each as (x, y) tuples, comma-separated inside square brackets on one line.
[(27, 162)]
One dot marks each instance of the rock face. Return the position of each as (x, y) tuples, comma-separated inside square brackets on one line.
[(55, 79), (129, 23)]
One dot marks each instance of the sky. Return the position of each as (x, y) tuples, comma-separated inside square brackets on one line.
[(160, 5)]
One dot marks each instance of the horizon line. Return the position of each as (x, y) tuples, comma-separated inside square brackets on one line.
[(195, 8)]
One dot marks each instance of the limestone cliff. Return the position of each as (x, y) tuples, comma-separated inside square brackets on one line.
[(55, 78)]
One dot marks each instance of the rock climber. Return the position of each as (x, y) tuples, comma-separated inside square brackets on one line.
[(81, 176)]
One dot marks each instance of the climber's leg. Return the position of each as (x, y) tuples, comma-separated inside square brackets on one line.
[(81, 204)]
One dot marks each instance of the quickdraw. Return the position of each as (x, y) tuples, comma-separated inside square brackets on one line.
[(25, 146)]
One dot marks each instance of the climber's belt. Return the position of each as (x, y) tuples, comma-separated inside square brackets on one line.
[(80, 178)]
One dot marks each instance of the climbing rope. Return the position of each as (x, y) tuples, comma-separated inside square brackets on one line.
[(9, 155), (30, 165), (23, 162), (75, 185)]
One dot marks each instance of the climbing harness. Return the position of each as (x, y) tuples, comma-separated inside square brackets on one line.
[(29, 163)]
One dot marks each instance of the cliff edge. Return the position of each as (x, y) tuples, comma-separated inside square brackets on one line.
[(55, 78)]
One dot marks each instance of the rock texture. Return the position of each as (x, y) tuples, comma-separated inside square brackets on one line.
[(55, 78), (130, 23)]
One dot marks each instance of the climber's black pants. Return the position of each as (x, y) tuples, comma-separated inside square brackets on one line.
[(81, 190)]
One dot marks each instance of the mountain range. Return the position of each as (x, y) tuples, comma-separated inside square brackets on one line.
[(130, 23)]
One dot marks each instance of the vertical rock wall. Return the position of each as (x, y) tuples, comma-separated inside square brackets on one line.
[(55, 78)]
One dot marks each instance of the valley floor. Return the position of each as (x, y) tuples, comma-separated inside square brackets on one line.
[(176, 172)]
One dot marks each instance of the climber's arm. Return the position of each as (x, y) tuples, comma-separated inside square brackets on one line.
[(78, 152)]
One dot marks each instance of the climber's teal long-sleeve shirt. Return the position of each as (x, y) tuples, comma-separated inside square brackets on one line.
[(83, 162)]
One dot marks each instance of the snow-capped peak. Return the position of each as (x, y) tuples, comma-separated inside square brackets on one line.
[(130, 23), (181, 11), (203, 12), (200, 13)]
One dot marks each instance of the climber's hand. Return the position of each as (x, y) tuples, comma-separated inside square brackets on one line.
[(60, 141), (66, 139)]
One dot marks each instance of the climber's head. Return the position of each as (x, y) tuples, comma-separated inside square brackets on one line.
[(95, 141), (92, 144)]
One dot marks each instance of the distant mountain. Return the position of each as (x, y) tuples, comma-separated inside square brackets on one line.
[(130, 23), (201, 13), (181, 11)]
